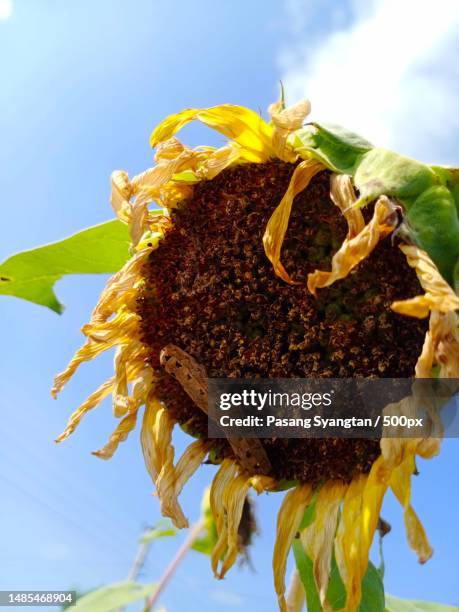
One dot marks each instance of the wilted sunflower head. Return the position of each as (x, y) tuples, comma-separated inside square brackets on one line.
[(207, 293)]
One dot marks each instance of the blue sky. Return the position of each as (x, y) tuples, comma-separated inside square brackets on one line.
[(83, 84)]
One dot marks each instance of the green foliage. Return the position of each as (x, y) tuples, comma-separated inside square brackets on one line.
[(163, 528), (113, 596), (373, 599), (304, 567), (31, 275), (205, 543), (394, 604)]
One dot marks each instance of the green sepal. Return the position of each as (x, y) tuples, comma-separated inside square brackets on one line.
[(383, 172), (337, 148), (434, 225)]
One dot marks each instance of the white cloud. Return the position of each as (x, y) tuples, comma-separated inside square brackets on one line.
[(6, 9), (386, 69)]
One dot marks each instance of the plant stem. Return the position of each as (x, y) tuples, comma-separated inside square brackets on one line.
[(194, 532)]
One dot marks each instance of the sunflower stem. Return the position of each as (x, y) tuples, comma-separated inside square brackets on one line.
[(193, 534)]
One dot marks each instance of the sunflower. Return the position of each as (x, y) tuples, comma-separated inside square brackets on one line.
[(291, 251)]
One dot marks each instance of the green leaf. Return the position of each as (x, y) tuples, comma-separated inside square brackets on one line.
[(372, 591), (394, 604), (336, 592), (162, 529), (113, 596), (304, 567), (205, 543), (31, 275)]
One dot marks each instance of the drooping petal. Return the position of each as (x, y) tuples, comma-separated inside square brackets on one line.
[(438, 293), (319, 536), (101, 337), (277, 225), (141, 378), (189, 462), (400, 484), (286, 121), (425, 360), (171, 480), (120, 391), (92, 401), (123, 429), (343, 196), (296, 595), (119, 289), (170, 486), (238, 123), (354, 250), (233, 498), (345, 545), (222, 479), (361, 509), (288, 521), (158, 452), (444, 330)]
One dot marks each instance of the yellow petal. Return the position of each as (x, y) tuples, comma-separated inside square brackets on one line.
[(361, 509), (120, 392), (400, 484), (224, 476), (119, 288), (425, 360), (234, 496), (238, 123), (120, 434), (219, 160), (296, 595), (354, 250), (318, 537), (343, 196), (171, 480), (286, 121), (345, 546), (93, 400), (158, 451), (141, 378), (288, 521), (438, 293), (189, 462), (277, 225), (121, 195), (444, 330), (101, 337)]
